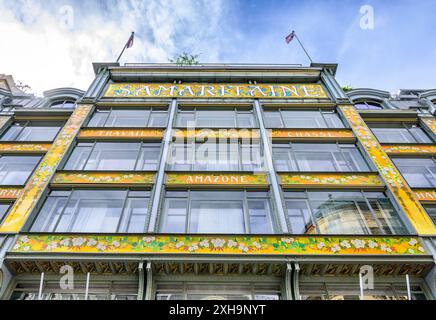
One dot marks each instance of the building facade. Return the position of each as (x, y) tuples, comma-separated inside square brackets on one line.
[(217, 182)]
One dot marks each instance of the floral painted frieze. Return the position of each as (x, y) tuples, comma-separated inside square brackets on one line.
[(45, 171), (430, 123), (313, 134), (335, 180), (24, 147), (228, 179), (104, 178), (226, 245), (393, 150), (396, 183), (110, 133)]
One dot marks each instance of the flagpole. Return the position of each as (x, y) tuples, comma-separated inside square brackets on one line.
[(307, 54), (125, 46)]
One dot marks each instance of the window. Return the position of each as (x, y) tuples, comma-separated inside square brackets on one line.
[(399, 133), (98, 290), (431, 211), (283, 118), (216, 212), (4, 208), (32, 131), (93, 211), (339, 212), (63, 104), (216, 118), (325, 157), (217, 291), (114, 156), (418, 172), (367, 105), (212, 156), (351, 291), (15, 170), (123, 117)]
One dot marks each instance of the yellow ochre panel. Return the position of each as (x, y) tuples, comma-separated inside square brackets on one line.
[(319, 180), (396, 183), (44, 172)]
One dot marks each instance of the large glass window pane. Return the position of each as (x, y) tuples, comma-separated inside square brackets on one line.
[(148, 157), (217, 217), (283, 159), (99, 118), (431, 210), (15, 170), (393, 135), (134, 215), (245, 120), (333, 120), (303, 119), (127, 118), (185, 118), (260, 221), (216, 119), (32, 131), (419, 134), (4, 207), (113, 156), (387, 216), (418, 172), (174, 215), (273, 119), (79, 156), (12, 133), (158, 119), (49, 214), (299, 217)]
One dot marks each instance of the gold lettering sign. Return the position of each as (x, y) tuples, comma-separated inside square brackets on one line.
[(410, 150), (9, 193), (217, 134), (239, 180), (313, 134), (121, 134), (25, 147), (103, 178), (335, 180), (212, 90), (426, 195)]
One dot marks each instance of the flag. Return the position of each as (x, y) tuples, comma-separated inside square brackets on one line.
[(290, 37), (129, 43)]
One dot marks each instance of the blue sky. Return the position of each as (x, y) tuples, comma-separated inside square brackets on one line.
[(49, 44)]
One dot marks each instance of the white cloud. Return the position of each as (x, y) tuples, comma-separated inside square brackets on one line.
[(38, 51)]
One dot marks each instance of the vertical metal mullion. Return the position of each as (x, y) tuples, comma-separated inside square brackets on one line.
[(246, 213), (107, 118), (188, 213), (160, 175), (343, 156), (293, 156), (123, 211), (63, 211), (372, 212), (323, 118), (312, 212), (276, 188), (138, 156), (282, 119), (89, 156)]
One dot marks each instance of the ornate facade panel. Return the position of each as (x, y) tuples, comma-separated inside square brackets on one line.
[(417, 150), (396, 183), (109, 133), (216, 133), (219, 245), (211, 180), (10, 193), (103, 178), (24, 147), (333, 180), (44, 172), (212, 90), (426, 195), (313, 134)]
